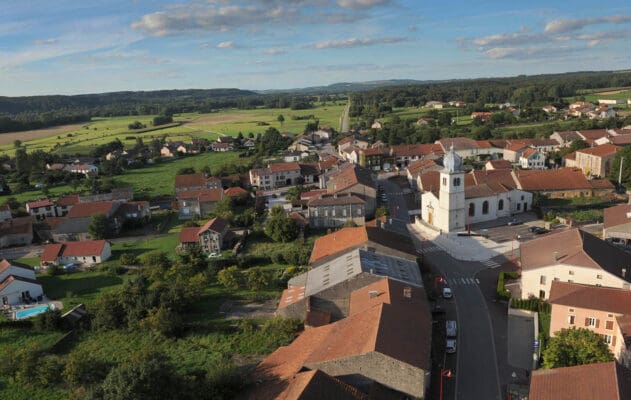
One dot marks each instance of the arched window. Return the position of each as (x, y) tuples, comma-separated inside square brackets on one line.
[(500, 205), (485, 207), (471, 209), (456, 181)]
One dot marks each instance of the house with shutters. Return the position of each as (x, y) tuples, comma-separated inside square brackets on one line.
[(604, 311), (41, 209), (198, 202), (573, 256), (356, 180), (210, 237), (276, 175), (532, 158), (333, 211), (596, 161)]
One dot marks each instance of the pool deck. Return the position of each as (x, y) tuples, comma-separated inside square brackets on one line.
[(12, 312)]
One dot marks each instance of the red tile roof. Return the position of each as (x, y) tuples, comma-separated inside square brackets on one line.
[(350, 175), (601, 151), (189, 235), (202, 195), (82, 210), (459, 143), (235, 192), (552, 179), (39, 203), (590, 297), (312, 193), (501, 164), (332, 200), (593, 134), (584, 382), (617, 215), (622, 140), (284, 167), (291, 296), (420, 150), (51, 252), (193, 180), (69, 200), (333, 243), (216, 225)]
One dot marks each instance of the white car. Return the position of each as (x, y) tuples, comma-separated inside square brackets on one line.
[(447, 294), (450, 346), (214, 255)]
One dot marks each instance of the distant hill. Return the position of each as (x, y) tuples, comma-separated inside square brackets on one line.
[(345, 87)]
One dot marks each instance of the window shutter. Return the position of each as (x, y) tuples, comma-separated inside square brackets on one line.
[(586, 321), (613, 341), (597, 323)]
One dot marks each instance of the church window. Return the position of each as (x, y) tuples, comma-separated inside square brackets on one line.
[(471, 209), (500, 205), (456, 181), (485, 207)]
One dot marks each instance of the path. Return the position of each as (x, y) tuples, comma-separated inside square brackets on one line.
[(345, 117)]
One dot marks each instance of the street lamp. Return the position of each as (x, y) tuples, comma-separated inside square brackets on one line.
[(444, 373)]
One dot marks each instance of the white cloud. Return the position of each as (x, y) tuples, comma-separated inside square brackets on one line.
[(355, 42), (568, 24), (226, 45), (274, 51), (528, 52), (45, 41), (361, 4)]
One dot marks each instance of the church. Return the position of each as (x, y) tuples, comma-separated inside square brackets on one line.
[(452, 200)]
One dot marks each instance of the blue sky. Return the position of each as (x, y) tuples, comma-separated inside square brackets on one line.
[(90, 46)]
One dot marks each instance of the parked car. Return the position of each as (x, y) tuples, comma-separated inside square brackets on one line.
[(447, 294), (450, 346), (514, 222), (437, 309), (541, 231), (214, 255), (451, 328)]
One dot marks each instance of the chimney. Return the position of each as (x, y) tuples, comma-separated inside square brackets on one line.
[(407, 292), (373, 294), (624, 272), (555, 256)]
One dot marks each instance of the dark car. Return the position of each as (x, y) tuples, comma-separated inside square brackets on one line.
[(540, 231)]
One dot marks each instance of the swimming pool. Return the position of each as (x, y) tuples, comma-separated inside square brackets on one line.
[(30, 312)]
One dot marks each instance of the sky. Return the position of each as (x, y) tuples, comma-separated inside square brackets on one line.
[(93, 46)]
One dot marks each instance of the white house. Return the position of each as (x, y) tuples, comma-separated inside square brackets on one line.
[(85, 169), (573, 256), (17, 285), (532, 159), (87, 252), (41, 209)]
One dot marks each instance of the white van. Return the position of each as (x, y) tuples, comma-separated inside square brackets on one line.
[(451, 328)]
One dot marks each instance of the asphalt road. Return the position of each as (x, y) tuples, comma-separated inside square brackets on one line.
[(475, 363)]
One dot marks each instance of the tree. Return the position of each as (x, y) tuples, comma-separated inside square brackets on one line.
[(17, 143), (99, 227), (257, 279), (623, 156), (84, 369), (147, 376), (282, 229), (571, 347), (163, 321), (280, 119), (229, 277)]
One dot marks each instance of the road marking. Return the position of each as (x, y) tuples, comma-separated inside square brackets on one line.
[(477, 281)]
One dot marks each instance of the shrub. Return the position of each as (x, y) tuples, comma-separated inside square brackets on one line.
[(128, 259), (501, 291), (53, 270)]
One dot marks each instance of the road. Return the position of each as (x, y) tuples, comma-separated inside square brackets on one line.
[(475, 364), (344, 124)]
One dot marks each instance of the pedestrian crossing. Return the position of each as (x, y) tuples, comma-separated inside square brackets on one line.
[(491, 263), (463, 281)]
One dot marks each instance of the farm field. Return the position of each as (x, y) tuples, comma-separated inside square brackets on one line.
[(83, 138)]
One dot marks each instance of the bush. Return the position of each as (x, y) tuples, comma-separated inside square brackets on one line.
[(128, 259), (501, 292), (49, 320), (229, 277), (53, 270)]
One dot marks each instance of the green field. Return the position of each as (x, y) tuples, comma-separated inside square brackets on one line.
[(227, 122)]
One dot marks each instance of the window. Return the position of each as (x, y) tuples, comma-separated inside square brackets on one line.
[(471, 209), (522, 196), (570, 281), (609, 325), (542, 294), (333, 212), (456, 181), (344, 212), (599, 276), (590, 321), (570, 272), (556, 279), (570, 319), (444, 181), (485, 207), (608, 339), (518, 206), (500, 205), (542, 280)]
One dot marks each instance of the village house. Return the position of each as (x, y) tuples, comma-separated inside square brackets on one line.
[(356, 180), (424, 121), (482, 116), (532, 159), (173, 149), (198, 202), (276, 175), (596, 161), (498, 164), (607, 380), (16, 232), (86, 252), (420, 167), (618, 140), (351, 141), (549, 109), (195, 182), (376, 125), (437, 105), (602, 310), (403, 155), (18, 285), (565, 138), (370, 238), (65, 203), (602, 112), (210, 237), (41, 209), (617, 224), (384, 341), (236, 193), (572, 256), (221, 147), (84, 169), (332, 211), (75, 225), (561, 183), (469, 148)]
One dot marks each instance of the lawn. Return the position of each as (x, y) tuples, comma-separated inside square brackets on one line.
[(79, 287), (159, 179)]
